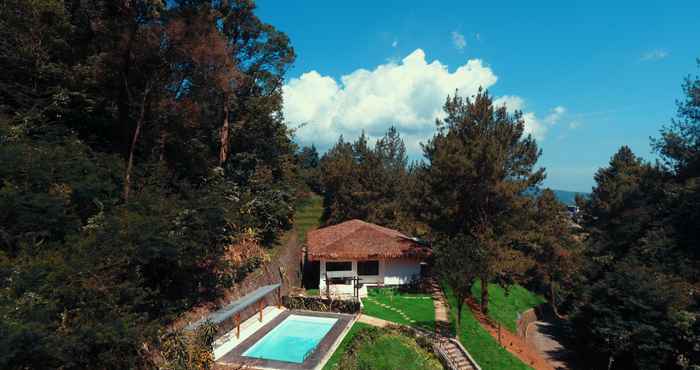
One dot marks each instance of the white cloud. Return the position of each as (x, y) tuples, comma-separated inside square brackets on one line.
[(574, 125), (555, 115), (533, 125), (458, 40), (395, 44), (511, 102), (408, 94), (477, 36), (653, 55)]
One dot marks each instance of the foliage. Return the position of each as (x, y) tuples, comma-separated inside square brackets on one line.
[(361, 182), (507, 303), (482, 346), (379, 348), (417, 307), (459, 261), (552, 245), (472, 183), (189, 350), (140, 141), (321, 304), (308, 163), (636, 304)]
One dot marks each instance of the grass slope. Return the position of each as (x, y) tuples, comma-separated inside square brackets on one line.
[(505, 306), (395, 351), (308, 216), (481, 345), (415, 306), (344, 344), (380, 349)]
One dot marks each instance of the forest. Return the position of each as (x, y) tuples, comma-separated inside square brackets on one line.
[(142, 142)]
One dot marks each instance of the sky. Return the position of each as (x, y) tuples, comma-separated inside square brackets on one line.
[(589, 76)]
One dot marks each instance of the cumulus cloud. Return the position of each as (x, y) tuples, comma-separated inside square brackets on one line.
[(408, 94), (555, 115), (654, 55), (458, 40), (511, 102), (533, 125)]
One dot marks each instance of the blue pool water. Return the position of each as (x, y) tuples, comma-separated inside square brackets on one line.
[(292, 339)]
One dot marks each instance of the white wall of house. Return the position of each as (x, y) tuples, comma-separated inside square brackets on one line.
[(401, 271), (391, 272)]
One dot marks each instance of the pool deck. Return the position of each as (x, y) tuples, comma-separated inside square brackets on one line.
[(230, 352), (228, 341)]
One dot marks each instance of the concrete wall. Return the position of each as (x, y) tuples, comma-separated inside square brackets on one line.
[(401, 271)]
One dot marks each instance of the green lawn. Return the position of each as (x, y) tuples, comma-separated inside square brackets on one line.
[(389, 350), (394, 351), (312, 292), (504, 307), (308, 216), (416, 307), (338, 354), (481, 345)]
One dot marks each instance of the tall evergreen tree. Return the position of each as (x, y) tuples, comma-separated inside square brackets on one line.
[(368, 183), (552, 244), (477, 167)]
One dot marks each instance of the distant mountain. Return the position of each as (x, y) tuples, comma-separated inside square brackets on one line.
[(568, 197), (564, 196)]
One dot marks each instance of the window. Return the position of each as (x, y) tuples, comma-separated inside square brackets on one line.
[(338, 266), (368, 268)]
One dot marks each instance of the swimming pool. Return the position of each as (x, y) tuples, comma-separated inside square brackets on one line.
[(293, 339)]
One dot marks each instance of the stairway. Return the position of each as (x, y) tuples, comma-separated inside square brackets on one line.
[(455, 355), (457, 359)]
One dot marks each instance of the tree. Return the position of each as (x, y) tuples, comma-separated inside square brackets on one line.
[(116, 214), (365, 182), (458, 263), (308, 162), (551, 242), (679, 144), (476, 168)]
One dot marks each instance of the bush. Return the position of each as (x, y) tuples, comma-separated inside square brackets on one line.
[(321, 304)]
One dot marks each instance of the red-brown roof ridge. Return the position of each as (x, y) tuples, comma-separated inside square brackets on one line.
[(357, 239)]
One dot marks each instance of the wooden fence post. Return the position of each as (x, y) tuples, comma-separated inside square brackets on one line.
[(260, 307), (238, 325), (499, 335), (279, 297)]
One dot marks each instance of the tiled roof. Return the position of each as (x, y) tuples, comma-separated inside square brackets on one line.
[(356, 239)]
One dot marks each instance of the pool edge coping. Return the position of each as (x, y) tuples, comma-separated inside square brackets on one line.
[(319, 357)]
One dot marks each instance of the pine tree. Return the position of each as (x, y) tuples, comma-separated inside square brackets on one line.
[(477, 167)]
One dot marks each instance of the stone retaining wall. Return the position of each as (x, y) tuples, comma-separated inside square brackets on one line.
[(529, 316)]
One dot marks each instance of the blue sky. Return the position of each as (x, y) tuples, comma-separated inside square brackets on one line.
[(590, 76)]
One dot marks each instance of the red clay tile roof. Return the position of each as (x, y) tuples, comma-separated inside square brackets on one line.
[(356, 239)]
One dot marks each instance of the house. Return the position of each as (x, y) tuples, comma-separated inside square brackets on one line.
[(371, 253)]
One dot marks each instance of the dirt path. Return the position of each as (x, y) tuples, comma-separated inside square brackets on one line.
[(511, 342), (544, 336)]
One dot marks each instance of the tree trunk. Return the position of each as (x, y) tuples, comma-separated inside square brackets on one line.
[(552, 297), (460, 305), (223, 152), (484, 295), (124, 97), (132, 148)]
